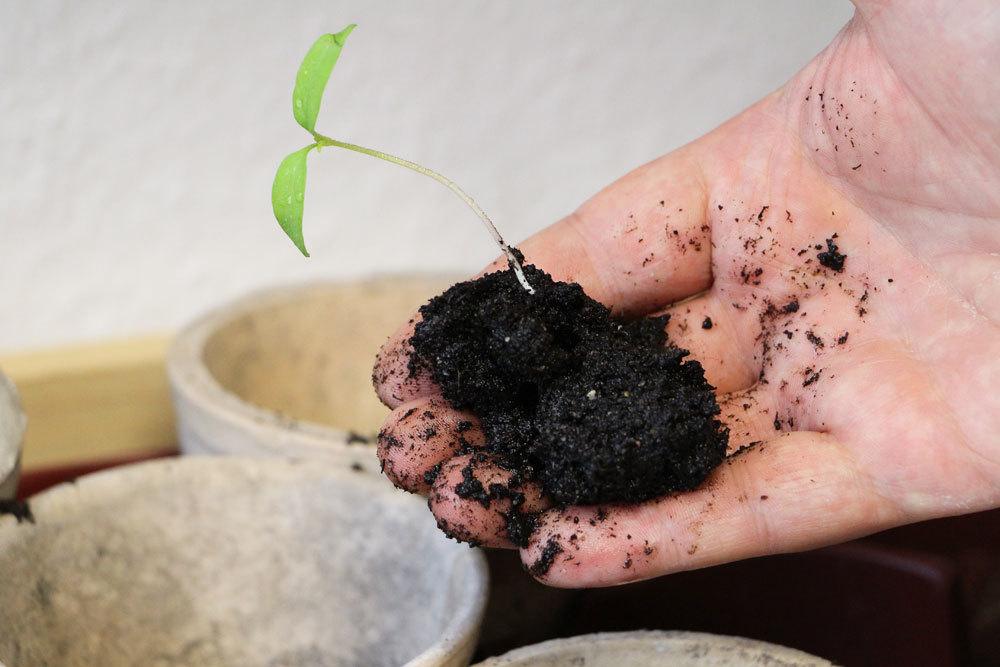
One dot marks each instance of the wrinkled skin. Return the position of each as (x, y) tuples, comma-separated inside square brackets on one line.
[(903, 422)]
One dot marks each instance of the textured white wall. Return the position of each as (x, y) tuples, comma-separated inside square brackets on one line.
[(138, 140)]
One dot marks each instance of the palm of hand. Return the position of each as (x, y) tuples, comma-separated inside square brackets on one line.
[(868, 392)]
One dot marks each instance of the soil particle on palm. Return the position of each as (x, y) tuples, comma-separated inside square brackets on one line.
[(594, 408), (831, 258), (814, 339), (706, 323), (811, 376)]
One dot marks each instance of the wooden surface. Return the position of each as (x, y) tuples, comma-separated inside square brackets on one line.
[(90, 402)]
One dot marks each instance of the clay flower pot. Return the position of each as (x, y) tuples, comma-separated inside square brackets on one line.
[(219, 561), (654, 649), (287, 372), (12, 423)]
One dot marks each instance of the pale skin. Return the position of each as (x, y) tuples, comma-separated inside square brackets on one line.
[(902, 423)]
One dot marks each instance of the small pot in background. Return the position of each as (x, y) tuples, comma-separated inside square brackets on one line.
[(228, 561), (655, 649), (12, 425), (287, 372)]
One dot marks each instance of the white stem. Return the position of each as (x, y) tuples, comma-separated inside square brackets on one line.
[(515, 264)]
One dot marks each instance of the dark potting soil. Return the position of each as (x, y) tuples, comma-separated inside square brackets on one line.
[(594, 408)]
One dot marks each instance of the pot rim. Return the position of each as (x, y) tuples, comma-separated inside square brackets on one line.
[(190, 377), (552, 647), (13, 423), (463, 625)]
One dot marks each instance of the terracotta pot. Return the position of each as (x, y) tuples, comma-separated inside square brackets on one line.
[(12, 424), (218, 561), (654, 649), (288, 371)]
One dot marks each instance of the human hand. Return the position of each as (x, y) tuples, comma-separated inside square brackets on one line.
[(871, 391)]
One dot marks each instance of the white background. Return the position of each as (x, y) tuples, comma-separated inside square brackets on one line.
[(138, 140)]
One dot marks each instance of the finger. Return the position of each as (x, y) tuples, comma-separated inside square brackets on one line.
[(722, 343), (419, 436), (393, 381), (798, 491), (474, 501)]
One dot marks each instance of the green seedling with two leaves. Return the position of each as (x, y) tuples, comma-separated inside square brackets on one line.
[(289, 188)]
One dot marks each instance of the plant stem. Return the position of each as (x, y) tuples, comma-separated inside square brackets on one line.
[(512, 259)]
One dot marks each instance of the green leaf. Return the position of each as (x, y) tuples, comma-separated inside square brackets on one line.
[(313, 75), (288, 195)]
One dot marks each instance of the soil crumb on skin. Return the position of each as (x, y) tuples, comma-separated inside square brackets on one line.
[(19, 509), (542, 566), (831, 258), (593, 408), (432, 474)]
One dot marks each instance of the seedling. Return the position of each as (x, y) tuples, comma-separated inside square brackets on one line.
[(288, 191)]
